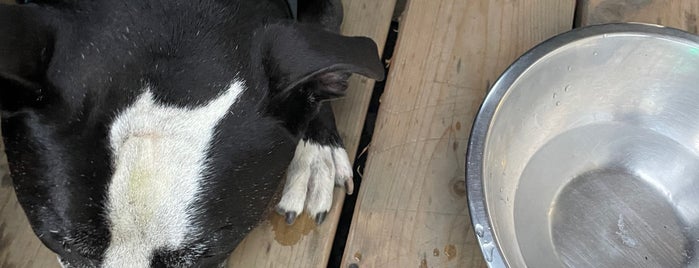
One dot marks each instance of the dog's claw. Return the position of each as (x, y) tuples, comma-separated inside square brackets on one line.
[(290, 217), (320, 218), (349, 186)]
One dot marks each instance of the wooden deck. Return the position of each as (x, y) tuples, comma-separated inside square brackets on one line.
[(411, 209)]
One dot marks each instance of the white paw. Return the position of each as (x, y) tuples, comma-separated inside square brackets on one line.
[(310, 179)]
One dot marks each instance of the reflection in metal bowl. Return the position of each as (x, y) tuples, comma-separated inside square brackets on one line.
[(586, 153)]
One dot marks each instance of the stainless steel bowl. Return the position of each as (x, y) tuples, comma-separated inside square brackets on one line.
[(585, 153)]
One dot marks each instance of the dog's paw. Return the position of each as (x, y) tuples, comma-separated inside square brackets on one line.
[(310, 179)]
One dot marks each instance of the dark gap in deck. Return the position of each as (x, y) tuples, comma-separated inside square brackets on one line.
[(343, 227), (578, 13)]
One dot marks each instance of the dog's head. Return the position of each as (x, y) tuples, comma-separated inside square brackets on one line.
[(153, 133)]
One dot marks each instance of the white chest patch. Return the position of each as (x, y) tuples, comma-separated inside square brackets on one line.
[(160, 155)]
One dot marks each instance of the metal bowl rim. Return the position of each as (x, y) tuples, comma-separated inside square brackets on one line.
[(479, 131)]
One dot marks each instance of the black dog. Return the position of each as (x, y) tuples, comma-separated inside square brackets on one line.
[(154, 133)]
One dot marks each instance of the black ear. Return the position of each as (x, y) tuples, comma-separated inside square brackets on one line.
[(25, 50), (306, 57)]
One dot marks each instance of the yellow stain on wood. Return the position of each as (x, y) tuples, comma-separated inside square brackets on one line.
[(289, 235)]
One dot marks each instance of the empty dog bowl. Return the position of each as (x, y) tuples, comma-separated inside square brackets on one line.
[(585, 153)]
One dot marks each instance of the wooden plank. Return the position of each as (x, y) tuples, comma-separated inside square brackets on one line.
[(681, 14), (412, 208), (273, 243)]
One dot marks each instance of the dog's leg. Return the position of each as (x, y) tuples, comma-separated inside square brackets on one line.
[(320, 162)]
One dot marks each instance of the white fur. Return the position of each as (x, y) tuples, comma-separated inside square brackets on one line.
[(311, 176), (343, 169), (319, 197), (297, 178), (159, 156)]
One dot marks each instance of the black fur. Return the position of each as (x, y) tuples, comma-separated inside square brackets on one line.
[(68, 67)]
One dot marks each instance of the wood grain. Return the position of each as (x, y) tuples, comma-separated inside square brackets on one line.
[(681, 14), (412, 208), (273, 243)]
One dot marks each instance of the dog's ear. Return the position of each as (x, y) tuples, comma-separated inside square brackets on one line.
[(306, 65), (307, 58), (25, 51)]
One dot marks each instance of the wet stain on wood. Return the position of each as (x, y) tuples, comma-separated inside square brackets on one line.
[(288, 235), (458, 187), (450, 251)]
